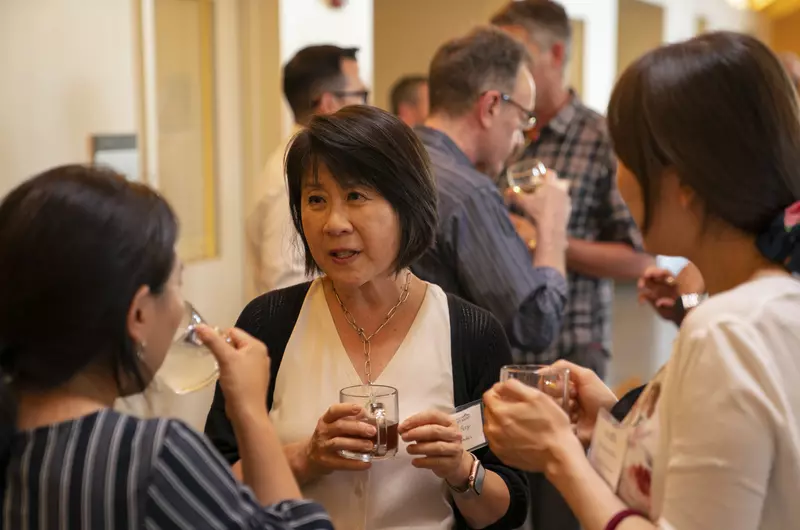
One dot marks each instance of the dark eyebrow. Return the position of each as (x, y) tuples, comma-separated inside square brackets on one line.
[(311, 186)]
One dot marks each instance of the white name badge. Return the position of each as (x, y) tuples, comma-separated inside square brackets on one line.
[(469, 419), (609, 446)]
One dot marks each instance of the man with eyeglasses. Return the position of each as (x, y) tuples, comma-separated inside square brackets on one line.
[(481, 99), (604, 243), (317, 80)]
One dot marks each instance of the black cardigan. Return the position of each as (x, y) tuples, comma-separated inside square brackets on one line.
[(479, 348)]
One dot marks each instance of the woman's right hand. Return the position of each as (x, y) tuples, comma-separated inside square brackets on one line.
[(339, 429), (591, 395), (243, 371)]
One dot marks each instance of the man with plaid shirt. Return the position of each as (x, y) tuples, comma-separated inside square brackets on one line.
[(604, 243), (571, 139)]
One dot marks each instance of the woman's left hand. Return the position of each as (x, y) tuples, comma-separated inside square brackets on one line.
[(436, 438), (526, 428)]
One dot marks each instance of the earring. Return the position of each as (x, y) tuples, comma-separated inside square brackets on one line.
[(140, 347)]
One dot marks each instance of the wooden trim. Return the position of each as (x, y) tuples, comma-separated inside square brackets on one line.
[(141, 101), (209, 144)]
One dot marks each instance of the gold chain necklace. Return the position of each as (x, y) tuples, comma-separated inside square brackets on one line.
[(365, 340)]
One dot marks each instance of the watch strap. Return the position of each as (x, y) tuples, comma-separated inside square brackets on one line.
[(475, 479), (480, 475)]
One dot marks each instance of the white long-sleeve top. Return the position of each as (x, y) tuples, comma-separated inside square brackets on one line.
[(273, 246)]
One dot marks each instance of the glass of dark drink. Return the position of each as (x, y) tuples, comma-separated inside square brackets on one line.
[(380, 410)]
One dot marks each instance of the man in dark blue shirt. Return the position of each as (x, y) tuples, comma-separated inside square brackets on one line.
[(481, 99)]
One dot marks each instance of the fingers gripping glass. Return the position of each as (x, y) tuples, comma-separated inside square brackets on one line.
[(188, 365)]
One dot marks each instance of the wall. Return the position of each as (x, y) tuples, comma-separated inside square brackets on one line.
[(786, 33), (435, 22), (399, 51), (641, 28), (71, 75)]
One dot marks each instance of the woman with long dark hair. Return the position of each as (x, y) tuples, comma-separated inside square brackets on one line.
[(707, 133), (89, 304)]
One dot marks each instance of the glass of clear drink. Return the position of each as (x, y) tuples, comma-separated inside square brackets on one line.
[(554, 383), (188, 365), (526, 175)]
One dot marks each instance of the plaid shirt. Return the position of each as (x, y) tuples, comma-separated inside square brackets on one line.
[(576, 145)]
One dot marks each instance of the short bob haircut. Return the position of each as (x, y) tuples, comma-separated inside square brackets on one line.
[(720, 111), (366, 146)]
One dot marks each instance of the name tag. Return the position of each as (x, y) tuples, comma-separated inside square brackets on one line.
[(469, 419), (609, 446)]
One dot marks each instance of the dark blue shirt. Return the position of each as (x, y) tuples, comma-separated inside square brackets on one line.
[(479, 256)]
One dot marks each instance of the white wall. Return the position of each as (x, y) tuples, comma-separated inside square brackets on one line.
[(67, 73), (600, 48), (680, 21), (307, 22)]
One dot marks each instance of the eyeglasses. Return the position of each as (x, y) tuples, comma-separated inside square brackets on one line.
[(530, 119), (341, 94), (363, 94)]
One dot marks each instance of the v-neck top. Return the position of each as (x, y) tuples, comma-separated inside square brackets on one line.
[(478, 349), (421, 370)]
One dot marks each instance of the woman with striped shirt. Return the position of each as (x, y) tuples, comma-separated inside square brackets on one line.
[(90, 290)]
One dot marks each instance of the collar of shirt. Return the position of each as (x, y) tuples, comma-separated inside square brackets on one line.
[(434, 138), (560, 123), (449, 161)]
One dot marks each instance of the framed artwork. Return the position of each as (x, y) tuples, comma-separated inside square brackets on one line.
[(178, 94)]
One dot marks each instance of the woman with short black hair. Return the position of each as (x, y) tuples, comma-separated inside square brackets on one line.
[(90, 289), (364, 203)]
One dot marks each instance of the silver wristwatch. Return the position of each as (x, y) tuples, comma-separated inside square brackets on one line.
[(686, 303), (691, 300)]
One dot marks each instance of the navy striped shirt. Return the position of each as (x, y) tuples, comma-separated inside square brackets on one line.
[(478, 255), (108, 470)]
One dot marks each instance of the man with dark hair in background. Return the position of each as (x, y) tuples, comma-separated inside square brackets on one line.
[(481, 99), (604, 243), (317, 80), (409, 99)]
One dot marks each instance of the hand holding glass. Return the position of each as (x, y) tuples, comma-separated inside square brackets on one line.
[(381, 411), (554, 383), (188, 365)]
